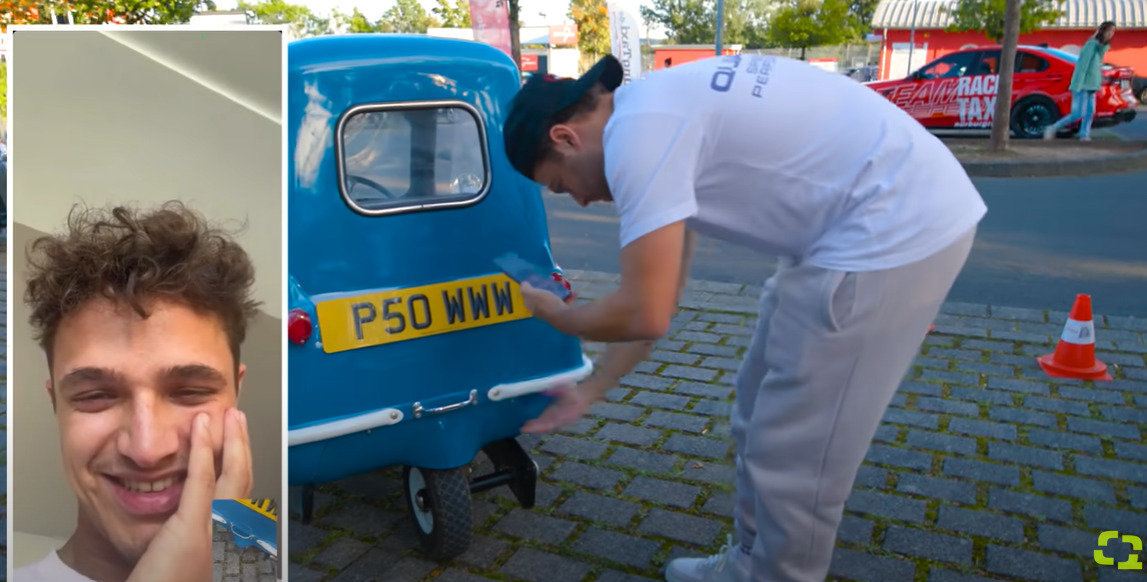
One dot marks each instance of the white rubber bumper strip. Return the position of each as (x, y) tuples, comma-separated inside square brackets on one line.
[(389, 416), (515, 389), (268, 548), (338, 428)]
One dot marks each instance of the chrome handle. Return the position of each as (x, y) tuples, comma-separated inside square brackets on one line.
[(239, 535), (419, 411)]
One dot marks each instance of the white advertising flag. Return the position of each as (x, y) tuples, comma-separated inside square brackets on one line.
[(625, 40)]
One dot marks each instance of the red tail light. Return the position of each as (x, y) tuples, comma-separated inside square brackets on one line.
[(560, 278), (299, 327)]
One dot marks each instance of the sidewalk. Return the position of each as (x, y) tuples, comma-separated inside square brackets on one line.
[(984, 469)]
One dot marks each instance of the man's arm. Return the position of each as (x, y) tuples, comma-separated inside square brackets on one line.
[(621, 358), (651, 171), (641, 308)]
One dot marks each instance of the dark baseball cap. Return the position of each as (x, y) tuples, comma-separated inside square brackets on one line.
[(541, 99)]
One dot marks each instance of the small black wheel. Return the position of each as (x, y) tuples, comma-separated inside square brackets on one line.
[(440, 504), (1031, 115)]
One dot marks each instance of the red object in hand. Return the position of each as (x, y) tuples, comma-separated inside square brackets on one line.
[(557, 276)]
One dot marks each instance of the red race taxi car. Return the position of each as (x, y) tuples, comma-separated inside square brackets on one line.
[(958, 91)]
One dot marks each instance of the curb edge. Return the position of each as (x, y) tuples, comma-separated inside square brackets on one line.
[(1114, 164)]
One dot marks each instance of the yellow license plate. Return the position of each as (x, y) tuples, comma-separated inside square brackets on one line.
[(265, 507), (374, 319)]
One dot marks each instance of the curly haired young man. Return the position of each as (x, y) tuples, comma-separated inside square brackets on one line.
[(141, 314), (872, 217)]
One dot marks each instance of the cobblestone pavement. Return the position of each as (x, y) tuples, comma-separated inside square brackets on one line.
[(233, 564), (983, 469)]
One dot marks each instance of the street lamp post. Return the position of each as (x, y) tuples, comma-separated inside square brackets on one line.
[(720, 23), (912, 37)]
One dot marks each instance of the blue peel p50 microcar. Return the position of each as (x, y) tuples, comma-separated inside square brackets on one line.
[(251, 522), (408, 346)]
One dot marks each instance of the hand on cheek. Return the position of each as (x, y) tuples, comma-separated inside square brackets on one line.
[(218, 429), (236, 478), (182, 550)]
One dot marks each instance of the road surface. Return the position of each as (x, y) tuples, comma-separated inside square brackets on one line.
[(1136, 130), (1042, 242)]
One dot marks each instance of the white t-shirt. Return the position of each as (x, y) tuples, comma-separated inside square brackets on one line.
[(786, 158), (50, 569)]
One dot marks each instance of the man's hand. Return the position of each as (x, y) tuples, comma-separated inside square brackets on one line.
[(544, 305), (182, 550), (237, 477), (570, 404)]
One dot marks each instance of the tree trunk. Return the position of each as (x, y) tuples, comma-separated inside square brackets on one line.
[(1002, 118), (802, 52), (515, 35)]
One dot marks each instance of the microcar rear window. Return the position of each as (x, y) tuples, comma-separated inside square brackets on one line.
[(415, 156)]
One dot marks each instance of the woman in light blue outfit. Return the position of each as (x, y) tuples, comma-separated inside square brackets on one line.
[(1085, 83)]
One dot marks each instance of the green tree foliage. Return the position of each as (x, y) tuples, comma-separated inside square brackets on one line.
[(103, 11), (298, 16), (987, 16), (694, 21), (862, 12), (407, 16), (453, 14), (684, 21), (808, 23), (355, 22), (21, 12), (142, 11), (592, 19)]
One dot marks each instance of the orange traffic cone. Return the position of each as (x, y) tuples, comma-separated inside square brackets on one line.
[(1074, 356)]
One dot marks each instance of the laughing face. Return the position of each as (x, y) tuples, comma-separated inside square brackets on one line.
[(125, 391)]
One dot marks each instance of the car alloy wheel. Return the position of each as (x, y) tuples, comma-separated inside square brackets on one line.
[(1032, 116)]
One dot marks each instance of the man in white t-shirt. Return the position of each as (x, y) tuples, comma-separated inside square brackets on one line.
[(872, 219), (141, 314)]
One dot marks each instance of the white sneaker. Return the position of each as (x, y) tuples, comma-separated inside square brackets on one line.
[(1049, 132), (1084, 138), (731, 565)]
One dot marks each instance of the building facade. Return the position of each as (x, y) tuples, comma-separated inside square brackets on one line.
[(670, 55), (914, 32)]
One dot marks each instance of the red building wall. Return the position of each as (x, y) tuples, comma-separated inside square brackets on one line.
[(681, 56), (1129, 48)]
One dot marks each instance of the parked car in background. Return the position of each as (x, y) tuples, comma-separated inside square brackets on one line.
[(958, 91), (863, 74)]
